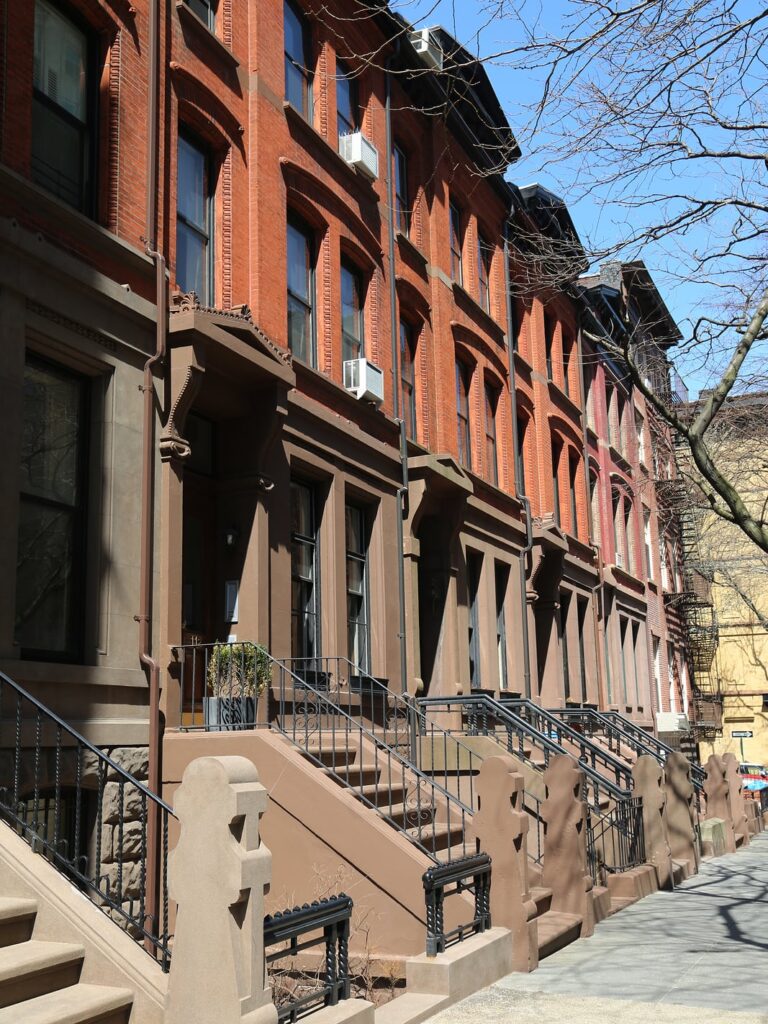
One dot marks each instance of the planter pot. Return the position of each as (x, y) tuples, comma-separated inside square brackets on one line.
[(224, 714)]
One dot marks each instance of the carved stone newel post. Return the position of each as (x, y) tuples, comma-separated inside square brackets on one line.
[(218, 875)]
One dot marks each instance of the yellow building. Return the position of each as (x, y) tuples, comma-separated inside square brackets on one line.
[(739, 573)]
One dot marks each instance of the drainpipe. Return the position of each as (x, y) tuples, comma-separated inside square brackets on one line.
[(402, 491), (156, 360), (525, 552), (590, 522)]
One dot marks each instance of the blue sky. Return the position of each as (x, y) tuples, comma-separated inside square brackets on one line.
[(473, 23)]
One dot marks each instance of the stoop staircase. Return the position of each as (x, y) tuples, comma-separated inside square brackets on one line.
[(40, 981)]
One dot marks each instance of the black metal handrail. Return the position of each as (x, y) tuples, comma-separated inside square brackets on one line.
[(484, 715), (324, 922), (88, 815), (398, 720), (616, 839), (326, 725), (597, 757), (618, 741), (470, 874), (652, 745)]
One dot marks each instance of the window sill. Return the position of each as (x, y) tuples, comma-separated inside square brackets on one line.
[(620, 459), (210, 40), (68, 221), (557, 393), (475, 310), (297, 120), (405, 242)]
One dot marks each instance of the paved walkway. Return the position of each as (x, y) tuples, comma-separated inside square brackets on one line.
[(703, 946)]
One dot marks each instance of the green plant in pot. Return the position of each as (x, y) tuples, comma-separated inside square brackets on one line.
[(237, 675)]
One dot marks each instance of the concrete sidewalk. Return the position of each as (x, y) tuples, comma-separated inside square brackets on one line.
[(703, 946)]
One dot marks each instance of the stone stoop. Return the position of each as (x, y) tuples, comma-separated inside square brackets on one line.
[(62, 960), (40, 981)]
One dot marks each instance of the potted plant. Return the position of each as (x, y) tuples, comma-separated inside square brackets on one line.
[(237, 675)]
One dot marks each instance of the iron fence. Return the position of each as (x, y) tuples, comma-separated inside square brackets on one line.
[(615, 839), (96, 823), (324, 922), (470, 874)]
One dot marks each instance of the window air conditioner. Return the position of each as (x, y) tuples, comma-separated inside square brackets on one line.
[(619, 559), (425, 43), (360, 153), (365, 380)]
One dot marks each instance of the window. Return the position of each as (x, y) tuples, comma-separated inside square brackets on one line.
[(352, 325), (358, 626), (657, 670), (402, 204), (347, 103), (516, 327), (594, 500), (623, 626), (522, 426), (301, 291), (640, 431), (629, 547), (502, 578), (635, 645), (565, 604), (582, 606), (63, 108), (305, 589), (573, 469), (456, 243), (609, 393), (556, 482), (549, 341), (484, 258), (618, 522), (474, 568), (408, 378), (463, 380), (50, 574), (193, 221), (663, 553), (567, 353), (205, 10), (298, 76), (671, 676), (491, 401), (648, 542)]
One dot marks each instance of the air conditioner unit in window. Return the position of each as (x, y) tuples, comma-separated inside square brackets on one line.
[(424, 41), (360, 153), (365, 380), (619, 559)]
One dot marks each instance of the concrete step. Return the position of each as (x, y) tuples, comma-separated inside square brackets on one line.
[(380, 795), (556, 930), (601, 902), (620, 903), (440, 836), (17, 919), (33, 968), (355, 775), (542, 897), (78, 1004)]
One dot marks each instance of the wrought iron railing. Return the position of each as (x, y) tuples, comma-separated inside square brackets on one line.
[(589, 754), (325, 922), (470, 874), (90, 817), (650, 744), (593, 724), (616, 839), (372, 743), (482, 715)]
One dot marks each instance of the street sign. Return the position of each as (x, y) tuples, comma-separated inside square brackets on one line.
[(741, 734)]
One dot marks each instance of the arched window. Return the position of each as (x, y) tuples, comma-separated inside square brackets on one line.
[(298, 62), (463, 384)]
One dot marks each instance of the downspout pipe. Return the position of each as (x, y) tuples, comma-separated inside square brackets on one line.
[(154, 362), (526, 550), (402, 491), (601, 694)]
